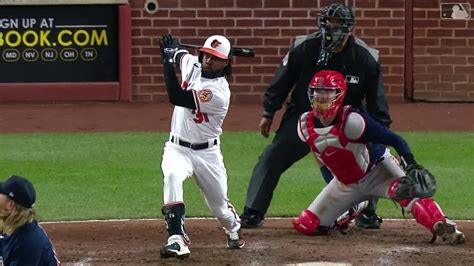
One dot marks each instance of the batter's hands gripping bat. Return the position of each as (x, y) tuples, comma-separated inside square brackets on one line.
[(236, 51)]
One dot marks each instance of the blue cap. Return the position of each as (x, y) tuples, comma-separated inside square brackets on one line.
[(20, 190)]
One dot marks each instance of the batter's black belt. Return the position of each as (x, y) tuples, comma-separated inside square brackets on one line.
[(193, 146)]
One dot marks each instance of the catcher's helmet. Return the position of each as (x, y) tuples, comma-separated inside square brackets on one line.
[(326, 92), (339, 14)]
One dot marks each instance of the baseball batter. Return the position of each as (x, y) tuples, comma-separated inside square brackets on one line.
[(201, 102), (347, 142)]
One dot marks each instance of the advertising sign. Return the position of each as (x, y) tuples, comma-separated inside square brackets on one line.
[(73, 43)]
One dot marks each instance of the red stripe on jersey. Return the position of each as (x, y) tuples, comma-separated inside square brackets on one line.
[(196, 101), (185, 85)]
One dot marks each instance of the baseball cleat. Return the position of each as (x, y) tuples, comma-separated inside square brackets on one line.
[(369, 221), (346, 222), (251, 221), (448, 232), (251, 218), (235, 241), (175, 248)]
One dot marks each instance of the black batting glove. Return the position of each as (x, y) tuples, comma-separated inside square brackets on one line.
[(168, 47)]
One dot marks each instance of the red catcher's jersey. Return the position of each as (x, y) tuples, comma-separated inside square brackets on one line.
[(336, 145)]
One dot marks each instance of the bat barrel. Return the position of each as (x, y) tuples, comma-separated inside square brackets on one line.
[(236, 51)]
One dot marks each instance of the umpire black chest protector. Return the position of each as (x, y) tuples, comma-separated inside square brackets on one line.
[(353, 62)]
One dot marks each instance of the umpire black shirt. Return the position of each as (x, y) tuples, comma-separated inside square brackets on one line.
[(357, 62)]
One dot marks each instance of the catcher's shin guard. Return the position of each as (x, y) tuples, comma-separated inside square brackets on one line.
[(427, 212), (306, 223), (174, 218)]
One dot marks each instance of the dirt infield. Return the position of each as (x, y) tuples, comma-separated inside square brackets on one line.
[(138, 242)]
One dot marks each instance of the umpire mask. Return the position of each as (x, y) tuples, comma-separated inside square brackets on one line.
[(335, 22)]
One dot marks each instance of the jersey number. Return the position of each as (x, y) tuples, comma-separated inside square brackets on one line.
[(200, 117)]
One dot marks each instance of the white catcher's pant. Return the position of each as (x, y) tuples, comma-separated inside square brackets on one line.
[(336, 197), (208, 168)]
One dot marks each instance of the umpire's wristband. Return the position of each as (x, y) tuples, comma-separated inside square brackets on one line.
[(267, 115)]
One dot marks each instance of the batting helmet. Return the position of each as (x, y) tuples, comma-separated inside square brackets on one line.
[(326, 92), (218, 46), (343, 17)]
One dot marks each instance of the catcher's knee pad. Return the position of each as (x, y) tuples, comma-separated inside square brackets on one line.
[(402, 189), (391, 192), (306, 223), (417, 183), (427, 212)]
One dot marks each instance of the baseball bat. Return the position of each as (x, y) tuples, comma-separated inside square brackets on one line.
[(236, 51)]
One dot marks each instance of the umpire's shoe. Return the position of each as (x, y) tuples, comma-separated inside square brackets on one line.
[(235, 241), (369, 221), (176, 247), (251, 218), (448, 232)]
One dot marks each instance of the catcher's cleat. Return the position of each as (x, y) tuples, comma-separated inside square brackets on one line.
[(346, 222), (369, 221), (235, 241), (323, 231), (175, 248), (448, 232)]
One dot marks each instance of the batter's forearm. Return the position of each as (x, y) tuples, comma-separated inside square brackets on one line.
[(176, 94)]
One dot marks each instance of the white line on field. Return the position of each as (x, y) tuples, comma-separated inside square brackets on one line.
[(200, 218)]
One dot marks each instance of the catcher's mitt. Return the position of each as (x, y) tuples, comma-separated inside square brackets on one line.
[(417, 183)]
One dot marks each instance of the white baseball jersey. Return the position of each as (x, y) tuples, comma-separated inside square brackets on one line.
[(212, 98), (203, 125)]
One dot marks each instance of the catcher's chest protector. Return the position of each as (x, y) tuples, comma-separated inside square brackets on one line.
[(348, 160)]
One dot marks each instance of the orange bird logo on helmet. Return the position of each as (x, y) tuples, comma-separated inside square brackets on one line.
[(215, 43)]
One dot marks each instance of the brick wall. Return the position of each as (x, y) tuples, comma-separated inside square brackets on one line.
[(443, 53), (270, 25), (381, 24)]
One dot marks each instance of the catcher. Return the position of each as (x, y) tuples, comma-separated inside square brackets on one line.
[(352, 145)]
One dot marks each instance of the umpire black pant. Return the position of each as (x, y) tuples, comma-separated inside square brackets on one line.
[(285, 149)]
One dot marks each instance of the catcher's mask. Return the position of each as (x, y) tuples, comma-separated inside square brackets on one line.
[(335, 22), (326, 92)]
